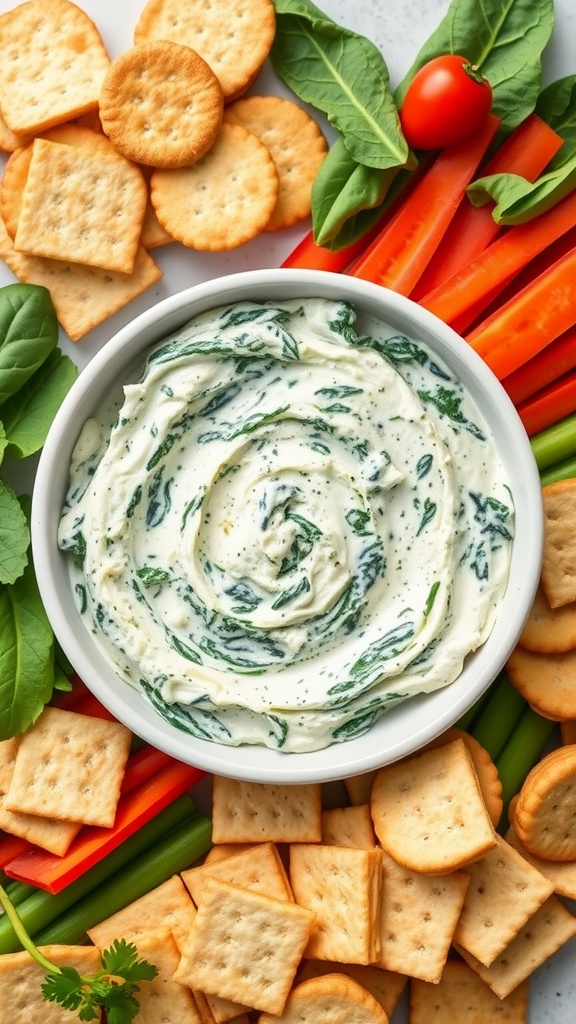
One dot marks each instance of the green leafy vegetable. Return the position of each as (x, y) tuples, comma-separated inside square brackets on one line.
[(14, 536), (28, 414), (113, 988), (505, 40), (28, 333)]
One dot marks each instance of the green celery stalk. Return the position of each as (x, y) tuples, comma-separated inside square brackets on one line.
[(171, 854), (499, 717), (40, 908), (18, 891), (523, 749), (466, 721), (559, 471), (555, 443)]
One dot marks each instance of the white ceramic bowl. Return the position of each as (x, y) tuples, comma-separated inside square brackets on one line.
[(401, 730)]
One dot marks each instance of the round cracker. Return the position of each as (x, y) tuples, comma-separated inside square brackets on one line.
[(297, 145), (161, 104), (546, 681), (234, 39), (549, 630), (224, 199), (330, 997), (544, 817)]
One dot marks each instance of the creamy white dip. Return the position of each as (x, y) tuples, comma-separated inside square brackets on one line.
[(290, 528)]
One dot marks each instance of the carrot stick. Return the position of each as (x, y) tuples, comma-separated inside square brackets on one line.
[(507, 255), (549, 405), (52, 873), (309, 256), (549, 365), (525, 325), (397, 257), (526, 151)]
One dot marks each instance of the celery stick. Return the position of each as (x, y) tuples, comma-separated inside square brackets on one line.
[(555, 443), (498, 717), (559, 471), (521, 753), (18, 891), (171, 854), (466, 721), (40, 908)]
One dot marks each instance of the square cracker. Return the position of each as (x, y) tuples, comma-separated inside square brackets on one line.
[(163, 1000), (83, 296), (559, 555), (246, 812), (342, 887), (52, 64), (21, 999), (70, 767), (544, 933), (418, 915), (81, 206), (463, 997), (428, 810), (167, 907), (348, 826), (55, 836), (244, 946), (501, 878), (259, 869)]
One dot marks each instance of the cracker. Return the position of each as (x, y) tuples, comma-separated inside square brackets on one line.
[(225, 199), (385, 986), (559, 555), (83, 296), (485, 768), (233, 40), (259, 870), (70, 766), (244, 946), (161, 104), (9, 142), (562, 874), (545, 813), (223, 1010), (418, 915), (549, 630), (505, 891), (81, 207), (342, 887), (54, 836), (166, 907), (463, 997), (428, 810), (223, 850), (247, 812), (359, 787), (21, 999), (349, 826), (297, 145), (332, 997), (546, 681), (52, 64), (547, 931), (163, 1000)]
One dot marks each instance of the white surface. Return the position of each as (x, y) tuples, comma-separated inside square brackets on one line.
[(398, 27)]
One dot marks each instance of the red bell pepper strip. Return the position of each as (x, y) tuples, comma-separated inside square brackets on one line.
[(398, 256), (549, 405), (549, 365), (526, 151), (11, 847)]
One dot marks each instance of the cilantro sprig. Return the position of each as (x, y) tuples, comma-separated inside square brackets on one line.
[(113, 988)]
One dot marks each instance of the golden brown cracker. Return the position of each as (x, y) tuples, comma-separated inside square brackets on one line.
[(562, 874), (549, 630), (21, 998), (233, 40), (545, 812), (385, 986), (52, 63), (546, 681), (559, 555), (244, 812), (485, 768), (54, 836), (167, 907), (296, 144), (223, 200), (259, 869), (463, 997), (163, 1000), (161, 104), (359, 787), (9, 142), (337, 998), (349, 826)]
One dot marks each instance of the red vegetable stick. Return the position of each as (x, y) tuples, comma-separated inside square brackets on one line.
[(507, 255), (526, 151), (549, 405), (309, 256), (11, 847), (549, 365), (397, 257), (144, 764), (530, 321), (52, 873), (67, 699)]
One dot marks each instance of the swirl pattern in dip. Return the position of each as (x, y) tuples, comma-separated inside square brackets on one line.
[(291, 526)]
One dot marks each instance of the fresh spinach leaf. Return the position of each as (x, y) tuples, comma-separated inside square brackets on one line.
[(342, 189), (26, 655), (557, 106), (28, 414), (505, 39), (14, 535), (344, 75), (28, 333)]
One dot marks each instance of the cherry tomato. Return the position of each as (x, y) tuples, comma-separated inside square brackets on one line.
[(446, 102)]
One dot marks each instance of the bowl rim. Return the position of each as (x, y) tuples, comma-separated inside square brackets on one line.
[(432, 713)]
